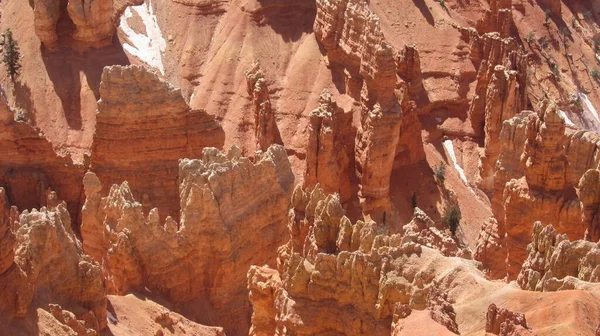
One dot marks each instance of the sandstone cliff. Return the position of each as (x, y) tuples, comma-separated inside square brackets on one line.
[(233, 212), (356, 47), (141, 140)]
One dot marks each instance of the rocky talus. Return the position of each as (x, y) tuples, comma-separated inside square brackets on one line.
[(233, 214), (141, 140)]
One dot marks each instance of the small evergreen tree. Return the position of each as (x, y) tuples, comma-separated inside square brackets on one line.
[(452, 217), (10, 54)]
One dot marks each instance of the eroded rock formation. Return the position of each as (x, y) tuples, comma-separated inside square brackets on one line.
[(537, 178), (555, 263), (350, 275), (141, 140), (266, 132), (93, 22), (500, 92), (233, 212), (330, 150), (43, 263), (355, 45), (29, 166), (503, 322)]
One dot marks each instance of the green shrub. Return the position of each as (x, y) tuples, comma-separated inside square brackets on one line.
[(440, 172), (452, 217), (596, 75)]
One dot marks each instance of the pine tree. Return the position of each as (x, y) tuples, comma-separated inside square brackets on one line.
[(10, 54)]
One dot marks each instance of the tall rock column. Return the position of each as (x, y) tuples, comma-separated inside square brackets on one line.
[(329, 158), (502, 103), (544, 152), (265, 129), (589, 196)]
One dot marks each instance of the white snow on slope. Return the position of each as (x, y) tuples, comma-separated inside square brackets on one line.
[(588, 105), (564, 117), (450, 150), (149, 47)]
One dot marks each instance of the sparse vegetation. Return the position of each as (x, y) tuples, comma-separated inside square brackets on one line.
[(10, 54), (452, 217), (530, 38), (440, 172), (566, 33), (596, 75), (444, 7), (587, 14), (544, 43), (555, 70), (597, 44), (547, 19)]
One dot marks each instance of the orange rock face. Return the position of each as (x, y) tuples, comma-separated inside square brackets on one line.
[(141, 140), (92, 22), (308, 167), (42, 263), (213, 244), (29, 166)]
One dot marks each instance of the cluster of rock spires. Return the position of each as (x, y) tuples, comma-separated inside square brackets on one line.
[(543, 164), (344, 272), (228, 240)]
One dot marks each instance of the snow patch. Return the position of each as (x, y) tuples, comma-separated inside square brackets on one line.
[(564, 117), (450, 150), (588, 105), (149, 47), (110, 317)]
